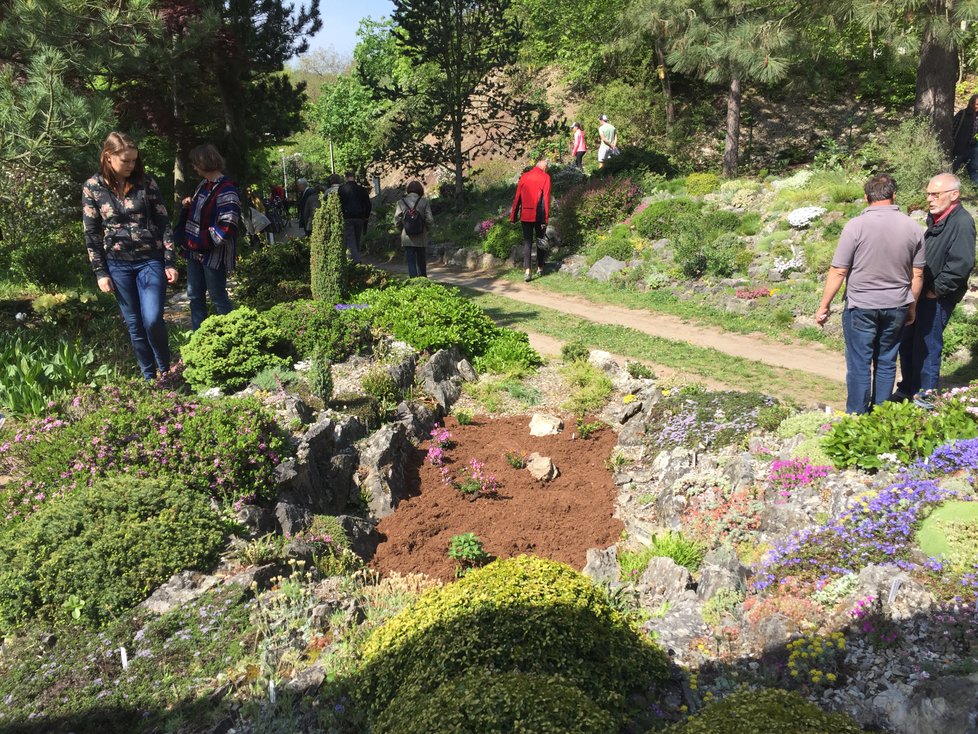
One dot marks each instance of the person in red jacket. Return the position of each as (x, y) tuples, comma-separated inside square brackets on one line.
[(532, 205)]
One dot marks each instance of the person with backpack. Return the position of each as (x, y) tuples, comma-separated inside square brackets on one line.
[(130, 245), (413, 216), (210, 218), (532, 205)]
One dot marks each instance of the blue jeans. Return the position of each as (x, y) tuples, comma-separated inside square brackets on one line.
[(203, 281), (922, 345), (872, 338), (417, 261), (140, 288)]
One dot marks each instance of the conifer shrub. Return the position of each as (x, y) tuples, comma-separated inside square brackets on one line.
[(509, 353), (273, 274), (527, 615), (327, 253), (665, 218), (766, 710), (102, 549), (226, 351), (699, 184), (312, 326), (429, 317), (496, 703), (618, 245), (321, 377)]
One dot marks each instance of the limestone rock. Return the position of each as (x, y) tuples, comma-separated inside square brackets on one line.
[(604, 362), (466, 371), (602, 565), (382, 459), (292, 519), (604, 268), (541, 468), (938, 706), (575, 266), (180, 589), (439, 377), (364, 538), (663, 580), (257, 577), (902, 597), (545, 425)]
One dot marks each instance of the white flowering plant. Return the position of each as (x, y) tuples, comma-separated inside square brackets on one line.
[(800, 218)]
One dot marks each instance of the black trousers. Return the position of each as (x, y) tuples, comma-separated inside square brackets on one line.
[(533, 231)]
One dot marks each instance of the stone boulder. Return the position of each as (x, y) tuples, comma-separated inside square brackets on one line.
[(363, 536), (604, 268), (574, 266), (678, 627), (664, 580), (541, 468), (542, 424), (382, 459), (292, 519), (604, 361), (902, 597), (439, 377), (937, 706), (417, 418), (182, 588), (602, 565)]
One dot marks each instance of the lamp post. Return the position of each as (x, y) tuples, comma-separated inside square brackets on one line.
[(285, 175)]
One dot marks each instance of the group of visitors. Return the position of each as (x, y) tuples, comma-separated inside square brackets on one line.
[(608, 135), (902, 284)]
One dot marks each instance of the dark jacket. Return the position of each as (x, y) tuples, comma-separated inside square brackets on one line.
[(354, 201), (949, 247), (963, 130), (308, 192), (532, 200)]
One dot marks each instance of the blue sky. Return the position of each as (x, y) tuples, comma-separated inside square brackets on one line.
[(340, 21)]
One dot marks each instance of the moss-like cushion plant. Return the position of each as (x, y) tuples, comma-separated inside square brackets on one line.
[(226, 351), (767, 711), (951, 532), (100, 550), (496, 703), (520, 614)]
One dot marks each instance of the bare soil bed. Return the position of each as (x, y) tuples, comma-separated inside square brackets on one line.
[(559, 519)]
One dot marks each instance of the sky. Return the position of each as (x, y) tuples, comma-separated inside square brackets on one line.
[(340, 21)]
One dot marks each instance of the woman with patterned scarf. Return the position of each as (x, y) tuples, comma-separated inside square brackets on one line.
[(211, 220)]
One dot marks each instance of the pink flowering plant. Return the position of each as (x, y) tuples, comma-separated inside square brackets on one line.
[(227, 449), (872, 621), (788, 477), (441, 440), (751, 294), (475, 481)]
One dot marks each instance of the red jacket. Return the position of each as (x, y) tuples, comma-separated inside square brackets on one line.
[(532, 191)]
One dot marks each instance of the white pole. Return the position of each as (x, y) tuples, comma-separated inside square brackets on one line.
[(332, 168)]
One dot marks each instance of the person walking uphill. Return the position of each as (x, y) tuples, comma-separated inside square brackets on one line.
[(880, 256), (949, 246), (211, 219), (609, 140), (414, 218), (579, 148), (532, 205), (355, 203), (130, 245)]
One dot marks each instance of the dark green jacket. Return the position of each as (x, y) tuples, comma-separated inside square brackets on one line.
[(949, 247)]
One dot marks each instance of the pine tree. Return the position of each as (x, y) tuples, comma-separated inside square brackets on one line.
[(327, 254)]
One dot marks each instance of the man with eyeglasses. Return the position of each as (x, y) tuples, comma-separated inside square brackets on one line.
[(880, 257), (949, 244)]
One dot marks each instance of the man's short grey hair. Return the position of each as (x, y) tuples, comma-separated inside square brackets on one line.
[(955, 182), (302, 181)]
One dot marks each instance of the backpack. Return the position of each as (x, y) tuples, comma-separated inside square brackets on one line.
[(413, 222)]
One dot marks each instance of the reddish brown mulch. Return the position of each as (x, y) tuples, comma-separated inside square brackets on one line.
[(559, 520)]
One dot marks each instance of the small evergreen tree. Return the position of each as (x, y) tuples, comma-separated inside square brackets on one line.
[(327, 254)]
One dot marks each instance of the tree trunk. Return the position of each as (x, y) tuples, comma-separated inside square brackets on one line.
[(457, 158), (731, 147), (937, 72), (666, 84)]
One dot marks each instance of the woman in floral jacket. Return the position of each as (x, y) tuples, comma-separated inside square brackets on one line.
[(127, 233)]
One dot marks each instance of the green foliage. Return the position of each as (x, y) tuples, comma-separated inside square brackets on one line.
[(313, 326), (481, 623), (32, 373), (489, 702), (684, 551), (590, 387), (509, 353), (226, 351), (467, 552), (721, 604), (463, 417), (327, 253), (274, 379), (694, 418), (767, 710), (270, 275), (699, 184), (951, 532), (641, 163), (501, 238), (663, 218), (808, 423), (724, 254), (210, 446), (617, 245), (346, 103), (639, 371), (378, 383), (902, 429), (321, 377), (594, 206), (429, 317), (575, 351), (108, 546), (913, 155), (750, 224)]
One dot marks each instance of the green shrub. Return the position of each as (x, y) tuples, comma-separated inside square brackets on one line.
[(509, 353), (575, 351), (662, 218), (321, 377), (429, 317), (912, 153), (273, 274), (590, 387), (721, 220), (501, 238), (684, 551), (467, 551), (698, 184), (951, 532), (274, 379), (639, 162), (902, 429), (226, 449), (327, 253), (808, 423), (526, 615), (961, 333), (750, 224), (102, 549), (226, 351), (640, 371), (379, 384), (489, 702), (597, 205), (312, 326), (363, 276), (723, 255), (617, 245), (767, 710)]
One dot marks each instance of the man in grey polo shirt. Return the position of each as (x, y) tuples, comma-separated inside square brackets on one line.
[(880, 256)]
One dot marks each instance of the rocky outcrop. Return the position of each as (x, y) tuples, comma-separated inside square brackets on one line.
[(382, 459), (441, 379)]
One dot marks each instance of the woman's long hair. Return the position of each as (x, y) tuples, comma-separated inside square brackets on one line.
[(114, 144)]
